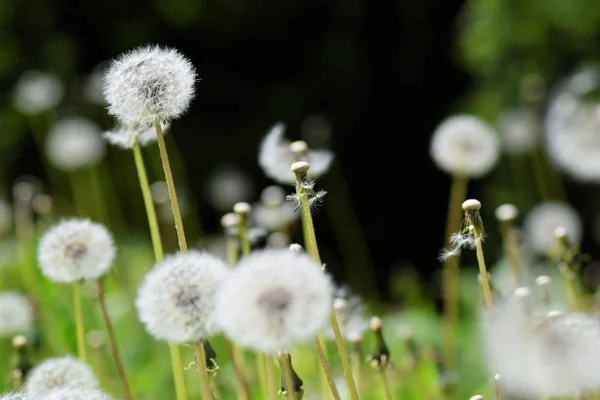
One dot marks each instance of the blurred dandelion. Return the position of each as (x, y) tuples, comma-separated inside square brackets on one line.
[(541, 222), (58, 373), (74, 142), (16, 314), (36, 92)]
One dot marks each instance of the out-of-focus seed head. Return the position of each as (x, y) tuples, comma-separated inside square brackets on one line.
[(518, 130), (73, 143), (77, 394), (36, 92), (16, 314), (507, 213), (541, 223), (227, 185), (59, 373)]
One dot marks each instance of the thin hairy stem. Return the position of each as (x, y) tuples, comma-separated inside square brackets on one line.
[(355, 361), (239, 370), (326, 370), (511, 251), (261, 368), (451, 270), (79, 320), (286, 367), (272, 383), (177, 368), (205, 388), (485, 282), (113, 344), (214, 388)]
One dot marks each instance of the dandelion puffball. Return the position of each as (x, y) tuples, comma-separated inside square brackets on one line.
[(16, 315), (227, 185), (148, 85), (73, 143), (57, 373), (541, 223), (126, 137), (36, 92), (175, 302), (276, 157), (465, 145), (518, 129), (273, 300), (76, 249), (77, 394)]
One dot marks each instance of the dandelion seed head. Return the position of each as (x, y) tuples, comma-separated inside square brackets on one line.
[(58, 373), (76, 249), (70, 393), (175, 301), (506, 212), (242, 208), (16, 314), (227, 185), (126, 137), (465, 145), (273, 213), (541, 222), (74, 142), (230, 220), (274, 299), (36, 92), (275, 157), (518, 130), (149, 84)]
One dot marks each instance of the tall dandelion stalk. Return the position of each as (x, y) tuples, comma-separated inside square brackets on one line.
[(300, 169), (79, 321)]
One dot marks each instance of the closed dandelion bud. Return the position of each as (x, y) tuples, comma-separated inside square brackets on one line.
[(36, 92), (58, 373), (125, 137), (77, 394), (16, 314), (148, 85), (175, 302), (380, 357), (273, 300), (73, 143), (276, 154), (76, 249), (541, 223), (465, 145)]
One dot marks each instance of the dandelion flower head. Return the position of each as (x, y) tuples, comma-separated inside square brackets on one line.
[(76, 249), (274, 299), (541, 222), (16, 314), (149, 84), (73, 143), (465, 145), (58, 373), (175, 301)]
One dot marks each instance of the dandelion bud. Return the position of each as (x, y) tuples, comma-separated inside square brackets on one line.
[(230, 220), (471, 205), (300, 167), (299, 147), (58, 373), (242, 208), (381, 354), (507, 213), (76, 249), (296, 248), (73, 143), (149, 85)]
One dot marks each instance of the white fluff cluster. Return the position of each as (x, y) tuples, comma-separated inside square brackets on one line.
[(273, 212), (12, 396), (465, 145), (76, 249), (276, 158), (77, 394), (125, 137), (58, 373), (16, 314), (557, 357), (572, 127), (541, 222), (149, 84), (350, 312), (36, 92), (227, 185), (273, 300), (175, 302), (73, 143), (518, 130)]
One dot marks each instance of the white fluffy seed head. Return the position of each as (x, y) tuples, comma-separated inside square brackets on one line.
[(242, 208), (518, 130), (77, 394), (275, 157), (73, 143), (507, 212), (227, 185), (465, 145), (149, 84), (58, 373), (125, 137), (36, 92), (16, 314), (541, 223), (175, 302), (273, 300), (76, 249)]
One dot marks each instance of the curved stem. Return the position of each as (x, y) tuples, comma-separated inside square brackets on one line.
[(113, 344), (238, 368), (79, 320), (202, 372)]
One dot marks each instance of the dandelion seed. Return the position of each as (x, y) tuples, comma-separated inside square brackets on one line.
[(464, 145), (76, 249), (149, 84), (541, 222), (126, 137), (175, 302), (73, 143), (36, 92), (273, 300), (275, 157), (77, 394), (16, 315), (59, 373)]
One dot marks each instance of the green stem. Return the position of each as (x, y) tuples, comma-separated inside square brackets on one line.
[(485, 283), (385, 384), (177, 372), (272, 383), (286, 367), (79, 320), (326, 371), (214, 388), (202, 372), (113, 344), (511, 251), (261, 367), (355, 360), (171, 187), (239, 369)]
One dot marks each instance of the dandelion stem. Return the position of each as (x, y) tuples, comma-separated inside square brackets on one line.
[(171, 187), (511, 251), (238, 368), (113, 344), (270, 367), (485, 282), (79, 320), (458, 193), (202, 372), (214, 388), (261, 367), (310, 241), (355, 361), (385, 384), (158, 255), (326, 370), (285, 363)]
